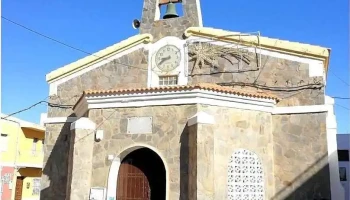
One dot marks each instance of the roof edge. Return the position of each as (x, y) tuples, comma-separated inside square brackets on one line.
[(95, 57), (293, 48), (157, 96), (23, 123), (203, 86)]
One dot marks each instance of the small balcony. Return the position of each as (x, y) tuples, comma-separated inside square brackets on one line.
[(33, 159)]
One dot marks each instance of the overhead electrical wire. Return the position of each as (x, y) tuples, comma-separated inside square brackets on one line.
[(346, 83), (38, 103), (67, 45)]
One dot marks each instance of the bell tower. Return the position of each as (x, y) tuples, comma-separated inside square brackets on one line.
[(171, 24)]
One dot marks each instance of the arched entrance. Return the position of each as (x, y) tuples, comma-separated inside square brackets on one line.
[(141, 176)]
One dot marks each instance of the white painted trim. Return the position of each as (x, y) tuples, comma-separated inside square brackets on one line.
[(7, 164), (299, 109), (29, 165), (53, 86), (316, 67), (337, 190), (153, 74), (20, 165), (201, 118), (113, 178), (31, 198), (58, 120), (114, 169), (199, 11), (23, 123), (83, 123), (43, 117), (196, 96)]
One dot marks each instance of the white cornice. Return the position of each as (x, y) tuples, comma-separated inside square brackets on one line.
[(83, 123), (196, 96), (29, 165), (201, 118), (299, 109), (58, 120)]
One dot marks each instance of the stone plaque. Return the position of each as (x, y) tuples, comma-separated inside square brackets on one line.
[(139, 125), (97, 193)]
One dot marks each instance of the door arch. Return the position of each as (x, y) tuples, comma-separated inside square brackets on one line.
[(141, 176)]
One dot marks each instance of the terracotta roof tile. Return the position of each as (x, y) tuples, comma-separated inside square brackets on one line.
[(204, 86)]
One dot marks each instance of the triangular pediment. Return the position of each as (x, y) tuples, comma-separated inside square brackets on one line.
[(98, 57)]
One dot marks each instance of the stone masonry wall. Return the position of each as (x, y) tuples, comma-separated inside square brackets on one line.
[(169, 27), (240, 129), (108, 76), (288, 79), (56, 148), (273, 72), (301, 156), (234, 129), (169, 137)]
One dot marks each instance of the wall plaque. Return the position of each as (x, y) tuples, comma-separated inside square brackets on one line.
[(139, 125), (97, 193)]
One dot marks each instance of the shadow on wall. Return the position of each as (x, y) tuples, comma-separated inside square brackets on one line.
[(312, 184), (184, 161), (56, 166), (314, 187)]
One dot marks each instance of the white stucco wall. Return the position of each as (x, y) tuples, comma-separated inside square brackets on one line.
[(343, 143)]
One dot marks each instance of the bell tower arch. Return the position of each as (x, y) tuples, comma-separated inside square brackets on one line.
[(153, 23)]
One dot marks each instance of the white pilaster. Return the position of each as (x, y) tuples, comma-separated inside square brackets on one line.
[(331, 124)]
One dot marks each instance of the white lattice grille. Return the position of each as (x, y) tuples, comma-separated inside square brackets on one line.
[(245, 176)]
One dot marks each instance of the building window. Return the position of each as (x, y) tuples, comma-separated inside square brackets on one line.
[(342, 174), (36, 186), (167, 80), (35, 141), (245, 176), (343, 155), (4, 142)]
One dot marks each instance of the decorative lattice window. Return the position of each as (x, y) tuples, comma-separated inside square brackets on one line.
[(245, 176)]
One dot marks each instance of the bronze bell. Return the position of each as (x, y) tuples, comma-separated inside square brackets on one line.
[(170, 11)]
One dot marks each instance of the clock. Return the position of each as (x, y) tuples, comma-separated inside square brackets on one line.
[(168, 58)]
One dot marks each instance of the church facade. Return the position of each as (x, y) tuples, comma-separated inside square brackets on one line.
[(182, 111)]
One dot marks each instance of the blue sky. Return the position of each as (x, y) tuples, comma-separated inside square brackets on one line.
[(94, 25)]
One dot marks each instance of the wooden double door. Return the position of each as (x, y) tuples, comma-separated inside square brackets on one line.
[(141, 176)]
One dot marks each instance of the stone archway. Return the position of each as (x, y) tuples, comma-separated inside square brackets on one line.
[(141, 176), (116, 163)]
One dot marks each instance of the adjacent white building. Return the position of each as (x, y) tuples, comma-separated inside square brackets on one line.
[(343, 141)]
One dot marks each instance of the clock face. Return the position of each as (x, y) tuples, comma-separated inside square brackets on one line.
[(168, 58)]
